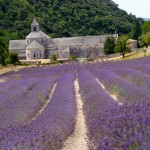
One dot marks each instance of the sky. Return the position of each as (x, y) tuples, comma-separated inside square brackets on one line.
[(139, 8)]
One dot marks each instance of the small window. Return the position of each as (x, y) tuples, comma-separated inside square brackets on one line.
[(34, 55)]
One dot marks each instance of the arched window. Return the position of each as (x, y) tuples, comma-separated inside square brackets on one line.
[(34, 28), (28, 41)]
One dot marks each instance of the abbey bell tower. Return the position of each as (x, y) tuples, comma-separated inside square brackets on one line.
[(35, 26)]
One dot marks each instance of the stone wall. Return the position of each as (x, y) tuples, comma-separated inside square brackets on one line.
[(34, 54), (132, 44), (87, 50), (85, 46)]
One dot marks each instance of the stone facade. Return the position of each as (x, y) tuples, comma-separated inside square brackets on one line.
[(132, 44), (38, 45)]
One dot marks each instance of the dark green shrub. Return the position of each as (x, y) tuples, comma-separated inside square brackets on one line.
[(13, 58), (109, 45), (73, 57), (53, 57), (60, 61)]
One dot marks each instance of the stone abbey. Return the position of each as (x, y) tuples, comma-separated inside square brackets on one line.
[(39, 45)]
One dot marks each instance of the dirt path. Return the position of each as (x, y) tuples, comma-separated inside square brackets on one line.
[(113, 96), (78, 141), (45, 105)]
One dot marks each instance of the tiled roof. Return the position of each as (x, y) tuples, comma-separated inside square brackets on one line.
[(35, 45), (17, 44), (83, 40), (37, 35)]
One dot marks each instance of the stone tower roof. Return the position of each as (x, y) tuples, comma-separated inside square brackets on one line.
[(34, 22), (35, 45)]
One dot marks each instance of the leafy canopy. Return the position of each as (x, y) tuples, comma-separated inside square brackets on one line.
[(13, 58), (109, 45), (144, 39), (146, 27), (122, 45), (63, 18)]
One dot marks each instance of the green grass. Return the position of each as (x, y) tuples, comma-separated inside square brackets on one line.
[(134, 55)]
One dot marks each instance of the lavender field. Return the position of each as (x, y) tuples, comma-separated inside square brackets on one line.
[(40, 107)]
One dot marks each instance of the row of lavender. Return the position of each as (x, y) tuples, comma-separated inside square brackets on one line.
[(110, 126), (95, 100), (127, 84), (31, 72), (53, 125), (21, 99), (140, 64), (113, 126)]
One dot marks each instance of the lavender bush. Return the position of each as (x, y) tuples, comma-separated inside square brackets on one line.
[(110, 126), (143, 68), (124, 127), (133, 76), (124, 90), (95, 100), (92, 94), (20, 107), (52, 127), (18, 111)]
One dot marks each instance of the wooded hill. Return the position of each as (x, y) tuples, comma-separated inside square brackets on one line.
[(63, 18)]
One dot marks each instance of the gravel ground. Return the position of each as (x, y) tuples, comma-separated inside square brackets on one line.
[(78, 141)]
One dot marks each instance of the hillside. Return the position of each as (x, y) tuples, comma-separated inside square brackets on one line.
[(62, 18)]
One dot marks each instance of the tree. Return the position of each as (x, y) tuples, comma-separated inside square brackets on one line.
[(63, 18), (3, 53), (144, 40), (146, 27), (122, 45), (13, 58), (136, 32), (147, 38), (3, 56), (109, 45), (141, 41)]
